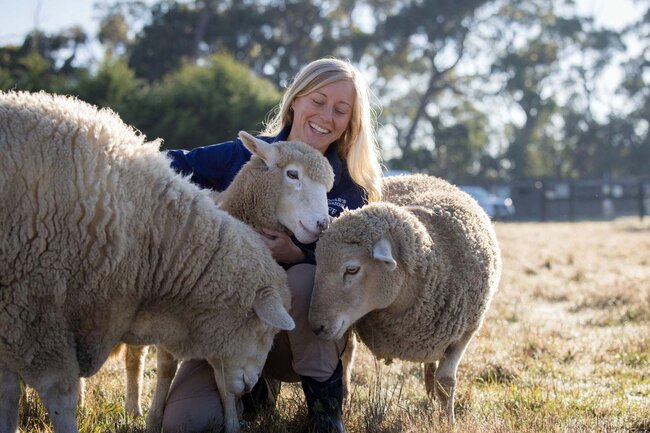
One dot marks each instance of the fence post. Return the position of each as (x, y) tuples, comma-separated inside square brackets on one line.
[(542, 188), (641, 199), (572, 203)]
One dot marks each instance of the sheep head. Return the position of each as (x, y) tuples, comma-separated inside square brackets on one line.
[(284, 186), (242, 365), (359, 269)]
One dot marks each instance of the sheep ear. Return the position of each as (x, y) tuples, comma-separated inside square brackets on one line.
[(383, 251), (271, 311), (268, 152)]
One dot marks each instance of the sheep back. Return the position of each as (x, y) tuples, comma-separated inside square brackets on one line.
[(101, 241)]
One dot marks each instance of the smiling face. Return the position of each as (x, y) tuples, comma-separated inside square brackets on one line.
[(322, 116)]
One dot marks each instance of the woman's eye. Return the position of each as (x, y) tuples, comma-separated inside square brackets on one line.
[(292, 174), (318, 102), (342, 109), (351, 270)]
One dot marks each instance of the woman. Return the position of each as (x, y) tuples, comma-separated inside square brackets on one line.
[(328, 107)]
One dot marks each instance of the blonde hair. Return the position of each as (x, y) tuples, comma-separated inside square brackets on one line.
[(358, 144)]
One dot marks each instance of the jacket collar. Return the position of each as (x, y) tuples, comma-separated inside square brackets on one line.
[(282, 136)]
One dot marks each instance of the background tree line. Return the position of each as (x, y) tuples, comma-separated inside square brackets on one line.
[(470, 89)]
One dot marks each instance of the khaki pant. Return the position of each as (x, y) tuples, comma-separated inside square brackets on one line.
[(193, 403)]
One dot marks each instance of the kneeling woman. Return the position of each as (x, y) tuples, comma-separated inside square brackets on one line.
[(328, 107)]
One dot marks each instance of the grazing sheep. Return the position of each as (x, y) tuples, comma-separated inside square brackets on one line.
[(283, 187), (414, 275), (102, 242)]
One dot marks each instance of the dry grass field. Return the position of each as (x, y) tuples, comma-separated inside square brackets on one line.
[(565, 348)]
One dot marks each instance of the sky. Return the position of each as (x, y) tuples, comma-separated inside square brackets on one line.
[(19, 17)]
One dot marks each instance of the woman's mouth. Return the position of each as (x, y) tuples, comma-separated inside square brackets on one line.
[(318, 129)]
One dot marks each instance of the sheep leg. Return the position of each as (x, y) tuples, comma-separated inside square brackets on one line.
[(429, 378), (9, 398), (81, 398), (165, 371), (58, 393), (445, 374), (347, 359), (228, 399), (134, 361)]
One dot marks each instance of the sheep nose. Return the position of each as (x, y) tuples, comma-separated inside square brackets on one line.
[(323, 224), (319, 329)]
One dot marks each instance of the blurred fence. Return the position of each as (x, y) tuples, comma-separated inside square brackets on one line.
[(556, 200)]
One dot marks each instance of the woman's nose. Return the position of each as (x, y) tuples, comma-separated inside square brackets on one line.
[(327, 112)]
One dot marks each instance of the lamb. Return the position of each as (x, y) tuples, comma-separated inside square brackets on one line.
[(283, 187), (102, 242), (414, 275)]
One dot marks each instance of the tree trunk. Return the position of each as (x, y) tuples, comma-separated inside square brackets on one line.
[(201, 25)]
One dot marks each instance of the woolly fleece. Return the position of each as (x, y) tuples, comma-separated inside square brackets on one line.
[(448, 267), (101, 242)]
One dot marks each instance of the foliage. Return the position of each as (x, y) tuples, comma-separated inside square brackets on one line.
[(424, 40), (42, 62), (471, 90), (200, 105), (637, 89), (166, 41), (273, 37), (111, 86), (459, 138)]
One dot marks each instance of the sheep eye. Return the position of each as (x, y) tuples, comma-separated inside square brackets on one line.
[(351, 270), (292, 174)]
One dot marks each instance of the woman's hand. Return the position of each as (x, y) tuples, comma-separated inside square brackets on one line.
[(282, 248)]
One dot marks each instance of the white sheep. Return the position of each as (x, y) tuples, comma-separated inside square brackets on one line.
[(102, 242), (414, 275), (283, 187)]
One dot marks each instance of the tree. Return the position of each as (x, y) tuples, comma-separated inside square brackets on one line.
[(113, 32), (199, 105), (42, 62), (458, 148), (165, 43), (636, 86), (422, 40), (113, 85), (549, 68), (273, 37)]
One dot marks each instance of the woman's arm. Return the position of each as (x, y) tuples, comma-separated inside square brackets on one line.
[(283, 249), (213, 166)]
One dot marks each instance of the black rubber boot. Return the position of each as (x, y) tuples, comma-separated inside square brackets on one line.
[(263, 396), (325, 402)]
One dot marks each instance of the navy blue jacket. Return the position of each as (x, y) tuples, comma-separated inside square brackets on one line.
[(215, 167)]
